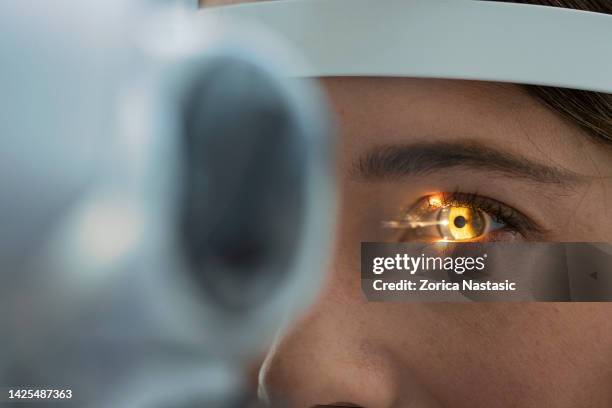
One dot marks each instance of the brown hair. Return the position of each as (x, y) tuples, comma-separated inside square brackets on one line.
[(592, 111)]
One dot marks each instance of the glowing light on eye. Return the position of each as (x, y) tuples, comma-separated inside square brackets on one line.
[(435, 201), (412, 224), (438, 220), (463, 223)]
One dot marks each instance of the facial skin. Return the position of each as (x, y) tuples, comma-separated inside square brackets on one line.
[(382, 355), (452, 355)]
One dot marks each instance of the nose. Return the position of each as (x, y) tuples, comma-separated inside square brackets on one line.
[(332, 357)]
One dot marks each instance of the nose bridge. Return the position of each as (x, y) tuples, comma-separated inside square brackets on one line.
[(338, 355), (328, 358)]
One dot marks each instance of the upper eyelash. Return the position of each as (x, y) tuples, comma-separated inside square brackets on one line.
[(501, 212)]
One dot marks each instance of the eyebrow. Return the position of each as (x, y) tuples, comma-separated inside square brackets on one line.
[(397, 161)]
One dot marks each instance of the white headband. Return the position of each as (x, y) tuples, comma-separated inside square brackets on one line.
[(455, 39)]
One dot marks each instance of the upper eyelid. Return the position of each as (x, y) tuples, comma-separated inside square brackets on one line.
[(526, 224)]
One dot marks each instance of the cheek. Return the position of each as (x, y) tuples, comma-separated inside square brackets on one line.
[(525, 355)]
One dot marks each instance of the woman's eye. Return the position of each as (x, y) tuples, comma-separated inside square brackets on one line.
[(434, 219), (459, 223)]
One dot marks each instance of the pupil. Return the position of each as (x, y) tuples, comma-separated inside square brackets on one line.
[(460, 221)]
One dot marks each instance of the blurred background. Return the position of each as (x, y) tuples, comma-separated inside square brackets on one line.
[(167, 201)]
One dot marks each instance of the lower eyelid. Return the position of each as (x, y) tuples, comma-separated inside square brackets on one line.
[(499, 211), (501, 229), (502, 236)]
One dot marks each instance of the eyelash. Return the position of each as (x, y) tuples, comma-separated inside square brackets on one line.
[(514, 220)]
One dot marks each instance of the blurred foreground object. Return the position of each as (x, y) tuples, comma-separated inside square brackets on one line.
[(167, 201)]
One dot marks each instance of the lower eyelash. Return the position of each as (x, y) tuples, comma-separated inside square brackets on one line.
[(514, 221), (501, 213)]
